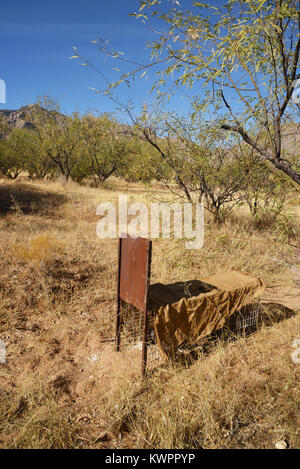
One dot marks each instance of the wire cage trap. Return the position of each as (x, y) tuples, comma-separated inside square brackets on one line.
[(138, 304)]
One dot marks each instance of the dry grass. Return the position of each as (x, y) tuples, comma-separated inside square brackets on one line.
[(62, 387)]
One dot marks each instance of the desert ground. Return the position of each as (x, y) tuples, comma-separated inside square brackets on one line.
[(62, 386)]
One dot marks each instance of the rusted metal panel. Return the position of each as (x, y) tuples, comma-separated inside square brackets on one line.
[(135, 257), (118, 304), (134, 270)]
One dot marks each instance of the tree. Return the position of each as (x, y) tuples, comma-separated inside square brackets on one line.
[(106, 145), (249, 49), (39, 165), (205, 164), (4, 127), (144, 163), (16, 151), (60, 137), (264, 191), (3, 157)]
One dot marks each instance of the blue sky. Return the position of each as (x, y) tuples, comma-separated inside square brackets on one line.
[(36, 41)]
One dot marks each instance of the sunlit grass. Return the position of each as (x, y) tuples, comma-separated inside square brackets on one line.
[(61, 387)]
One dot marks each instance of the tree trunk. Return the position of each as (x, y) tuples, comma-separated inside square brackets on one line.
[(264, 155)]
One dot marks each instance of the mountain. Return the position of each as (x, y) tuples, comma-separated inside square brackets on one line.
[(18, 118)]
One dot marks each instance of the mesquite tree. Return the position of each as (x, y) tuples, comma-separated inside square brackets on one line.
[(61, 138), (207, 167), (247, 49)]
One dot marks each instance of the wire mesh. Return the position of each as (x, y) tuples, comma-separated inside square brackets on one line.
[(244, 321), (153, 355), (131, 327), (241, 323), (132, 333)]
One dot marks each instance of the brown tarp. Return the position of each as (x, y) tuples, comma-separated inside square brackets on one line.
[(187, 312)]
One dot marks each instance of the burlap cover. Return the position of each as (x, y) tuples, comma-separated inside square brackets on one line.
[(187, 312)]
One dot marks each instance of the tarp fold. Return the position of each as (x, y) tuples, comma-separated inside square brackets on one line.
[(186, 312)]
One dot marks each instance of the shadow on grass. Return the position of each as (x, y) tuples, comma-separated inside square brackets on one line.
[(241, 324), (28, 199)]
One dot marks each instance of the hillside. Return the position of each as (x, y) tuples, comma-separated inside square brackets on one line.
[(17, 118), (20, 119)]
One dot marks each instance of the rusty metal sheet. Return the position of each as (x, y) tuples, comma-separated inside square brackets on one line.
[(134, 264)]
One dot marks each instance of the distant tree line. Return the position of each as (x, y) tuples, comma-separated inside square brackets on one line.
[(193, 157), (81, 148)]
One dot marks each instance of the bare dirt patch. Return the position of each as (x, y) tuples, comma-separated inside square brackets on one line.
[(62, 387)]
